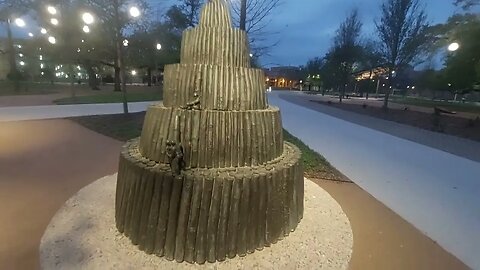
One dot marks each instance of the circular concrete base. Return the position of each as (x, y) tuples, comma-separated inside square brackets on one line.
[(82, 235)]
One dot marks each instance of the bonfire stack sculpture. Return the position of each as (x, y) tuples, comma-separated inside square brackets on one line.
[(210, 177)]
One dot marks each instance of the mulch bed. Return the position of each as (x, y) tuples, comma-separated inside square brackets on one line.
[(456, 126)]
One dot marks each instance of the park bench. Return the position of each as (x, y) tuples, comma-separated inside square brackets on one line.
[(439, 110)]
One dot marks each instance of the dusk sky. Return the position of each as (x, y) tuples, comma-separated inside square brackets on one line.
[(306, 27)]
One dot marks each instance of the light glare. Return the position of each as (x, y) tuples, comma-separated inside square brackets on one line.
[(52, 10), (20, 22), (87, 18), (134, 12)]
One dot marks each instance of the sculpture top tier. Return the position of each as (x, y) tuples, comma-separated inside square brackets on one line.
[(215, 71)]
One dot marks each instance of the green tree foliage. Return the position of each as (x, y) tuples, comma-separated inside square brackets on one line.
[(313, 69), (402, 34), (462, 66), (346, 51)]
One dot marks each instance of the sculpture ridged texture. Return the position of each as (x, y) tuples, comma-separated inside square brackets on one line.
[(210, 177)]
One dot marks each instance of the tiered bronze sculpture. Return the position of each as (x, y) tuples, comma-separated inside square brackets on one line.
[(210, 177)]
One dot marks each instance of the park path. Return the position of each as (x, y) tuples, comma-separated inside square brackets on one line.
[(438, 192), (63, 111), (42, 164)]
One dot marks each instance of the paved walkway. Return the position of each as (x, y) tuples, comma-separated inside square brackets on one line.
[(42, 164), (63, 111), (438, 192), (448, 143)]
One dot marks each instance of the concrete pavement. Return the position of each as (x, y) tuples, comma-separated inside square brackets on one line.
[(63, 111), (438, 192)]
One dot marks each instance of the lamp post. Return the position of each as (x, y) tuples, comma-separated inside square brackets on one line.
[(134, 12)]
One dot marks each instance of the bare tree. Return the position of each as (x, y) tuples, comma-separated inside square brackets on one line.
[(346, 49), (191, 9), (254, 16), (467, 4), (401, 32)]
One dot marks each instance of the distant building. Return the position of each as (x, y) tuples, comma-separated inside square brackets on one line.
[(287, 77)]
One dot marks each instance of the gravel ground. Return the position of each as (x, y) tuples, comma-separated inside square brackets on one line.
[(82, 235)]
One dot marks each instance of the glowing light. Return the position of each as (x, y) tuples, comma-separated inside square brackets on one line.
[(41, 65), (134, 72), (88, 18), (52, 10), (43, 31), (86, 29), (453, 47), (54, 21), (20, 22), (30, 34), (40, 57), (22, 63), (134, 12), (125, 42), (159, 46), (251, 55), (52, 40), (79, 74), (19, 46), (20, 54)]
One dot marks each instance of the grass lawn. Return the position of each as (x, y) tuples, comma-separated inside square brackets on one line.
[(133, 95), (126, 127), (459, 107), (29, 88)]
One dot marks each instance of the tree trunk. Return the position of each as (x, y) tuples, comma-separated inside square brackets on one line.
[(243, 15), (389, 86), (92, 77), (118, 36), (149, 76), (116, 78), (71, 70), (14, 73)]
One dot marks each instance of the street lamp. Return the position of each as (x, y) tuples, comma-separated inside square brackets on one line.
[(52, 10), (54, 21), (453, 46), (86, 29), (134, 12), (87, 18), (52, 40), (20, 22)]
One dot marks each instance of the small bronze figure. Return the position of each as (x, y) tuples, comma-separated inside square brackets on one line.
[(175, 157), (195, 104)]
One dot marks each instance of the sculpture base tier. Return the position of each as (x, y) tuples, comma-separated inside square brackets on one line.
[(213, 139), (207, 214)]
